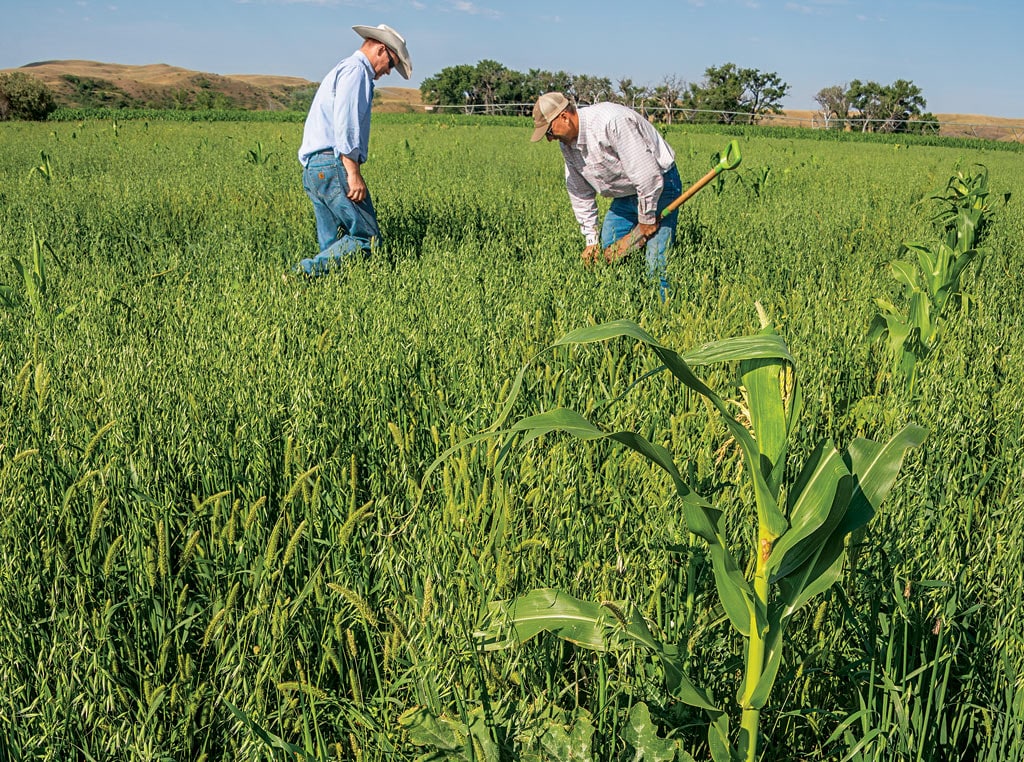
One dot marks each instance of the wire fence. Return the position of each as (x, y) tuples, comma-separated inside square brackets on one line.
[(1000, 129)]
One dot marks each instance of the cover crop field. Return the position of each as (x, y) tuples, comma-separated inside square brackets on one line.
[(221, 538)]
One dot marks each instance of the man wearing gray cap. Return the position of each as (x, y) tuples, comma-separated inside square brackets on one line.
[(335, 144), (613, 151)]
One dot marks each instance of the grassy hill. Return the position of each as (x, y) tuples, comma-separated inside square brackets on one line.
[(92, 84)]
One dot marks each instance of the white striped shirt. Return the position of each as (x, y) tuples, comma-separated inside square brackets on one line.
[(617, 153)]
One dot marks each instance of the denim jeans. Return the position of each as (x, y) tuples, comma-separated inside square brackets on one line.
[(622, 217), (343, 228)]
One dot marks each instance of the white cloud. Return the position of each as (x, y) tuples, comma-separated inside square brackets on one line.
[(464, 6)]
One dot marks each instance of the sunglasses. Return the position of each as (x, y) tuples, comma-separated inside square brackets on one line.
[(391, 61)]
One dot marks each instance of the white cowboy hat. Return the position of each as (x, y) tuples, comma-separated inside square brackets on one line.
[(393, 40)]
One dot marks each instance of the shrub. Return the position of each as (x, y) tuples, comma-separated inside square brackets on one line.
[(24, 97)]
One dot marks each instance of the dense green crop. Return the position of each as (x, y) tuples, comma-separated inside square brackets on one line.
[(213, 530)]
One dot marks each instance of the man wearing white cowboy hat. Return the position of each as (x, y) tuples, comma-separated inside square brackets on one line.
[(335, 144)]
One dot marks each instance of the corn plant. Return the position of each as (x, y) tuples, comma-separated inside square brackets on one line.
[(932, 288), (258, 156), (964, 209), (45, 168), (35, 283), (797, 548)]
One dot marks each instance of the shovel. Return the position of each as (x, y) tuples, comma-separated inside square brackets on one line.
[(634, 239)]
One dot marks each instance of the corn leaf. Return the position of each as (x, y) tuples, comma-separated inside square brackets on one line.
[(821, 497), (514, 622), (875, 467)]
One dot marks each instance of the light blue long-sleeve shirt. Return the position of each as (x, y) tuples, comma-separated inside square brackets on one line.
[(339, 117)]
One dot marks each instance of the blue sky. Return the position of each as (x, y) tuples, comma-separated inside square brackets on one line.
[(965, 56)]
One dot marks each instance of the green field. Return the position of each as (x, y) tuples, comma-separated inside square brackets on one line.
[(214, 535)]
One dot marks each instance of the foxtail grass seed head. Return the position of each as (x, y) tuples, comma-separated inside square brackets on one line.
[(232, 596), (189, 551), (428, 598), (179, 606), (819, 617), (163, 562), (165, 649), (396, 436), (275, 538), (215, 498), (332, 658), (299, 484), (345, 533), (108, 562), (42, 384), (293, 543), (24, 381), (254, 512), (94, 442), (356, 601), (25, 455), (97, 521), (212, 627), (357, 690), (151, 570), (228, 535)]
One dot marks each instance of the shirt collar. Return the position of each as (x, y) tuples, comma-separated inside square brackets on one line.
[(581, 115), (361, 57)]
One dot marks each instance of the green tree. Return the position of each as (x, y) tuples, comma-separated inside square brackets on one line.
[(885, 108), (835, 102), (632, 95), (736, 94), (762, 93), (717, 99), (488, 78), (539, 82), (588, 89), (452, 86), (23, 96)]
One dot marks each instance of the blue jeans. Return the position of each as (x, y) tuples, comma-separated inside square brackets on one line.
[(622, 217), (343, 227)]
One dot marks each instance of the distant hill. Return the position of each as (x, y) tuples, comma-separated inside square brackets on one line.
[(91, 84), (94, 84)]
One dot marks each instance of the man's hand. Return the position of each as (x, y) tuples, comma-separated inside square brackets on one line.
[(647, 231), (591, 253), (356, 185)]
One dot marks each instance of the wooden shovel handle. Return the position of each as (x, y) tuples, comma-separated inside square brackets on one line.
[(728, 160)]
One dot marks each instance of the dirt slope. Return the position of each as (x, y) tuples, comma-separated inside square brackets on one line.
[(78, 83)]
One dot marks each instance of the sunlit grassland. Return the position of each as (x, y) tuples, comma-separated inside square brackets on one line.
[(209, 469)]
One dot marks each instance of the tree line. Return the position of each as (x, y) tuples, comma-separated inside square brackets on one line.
[(727, 94)]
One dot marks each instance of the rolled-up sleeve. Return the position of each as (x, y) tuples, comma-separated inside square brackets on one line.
[(583, 199), (352, 113)]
